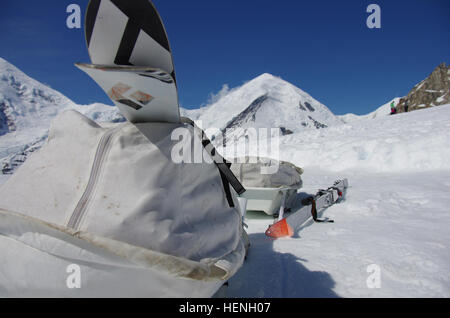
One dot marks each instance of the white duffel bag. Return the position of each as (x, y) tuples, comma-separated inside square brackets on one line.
[(110, 211)]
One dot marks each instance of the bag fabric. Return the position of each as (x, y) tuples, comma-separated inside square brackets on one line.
[(250, 172), (120, 184)]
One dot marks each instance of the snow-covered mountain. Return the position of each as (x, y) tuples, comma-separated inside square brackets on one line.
[(265, 102), (25, 103), (27, 108)]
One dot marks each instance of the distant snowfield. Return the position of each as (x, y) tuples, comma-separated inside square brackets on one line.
[(411, 142), (396, 214)]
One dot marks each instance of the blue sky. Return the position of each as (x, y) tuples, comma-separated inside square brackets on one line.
[(322, 46)]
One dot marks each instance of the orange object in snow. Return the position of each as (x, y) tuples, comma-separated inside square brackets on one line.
[(280, 229)]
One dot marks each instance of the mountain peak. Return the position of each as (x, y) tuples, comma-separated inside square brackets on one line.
[(266, 101), (268, 80), (266, 76)]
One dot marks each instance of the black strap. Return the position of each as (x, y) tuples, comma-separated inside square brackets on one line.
[(312, 201), (226, 187), (228, 177), (224, 167)]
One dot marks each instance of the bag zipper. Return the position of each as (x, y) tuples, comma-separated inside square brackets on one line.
[(102, 151)]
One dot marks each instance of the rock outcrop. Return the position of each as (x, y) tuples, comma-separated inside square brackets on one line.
[(433, 91)]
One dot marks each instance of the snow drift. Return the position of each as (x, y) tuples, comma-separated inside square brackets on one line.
[(417, 141)]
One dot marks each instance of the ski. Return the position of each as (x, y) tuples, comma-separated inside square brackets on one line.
[(312, 205), (132, 59), (142, 94)]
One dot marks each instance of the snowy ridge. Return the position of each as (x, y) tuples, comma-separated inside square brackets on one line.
[(382, 111)]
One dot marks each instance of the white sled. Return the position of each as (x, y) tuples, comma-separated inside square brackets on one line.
[(271, 201), (271, 193)]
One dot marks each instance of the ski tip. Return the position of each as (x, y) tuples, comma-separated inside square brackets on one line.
[(280, 229)]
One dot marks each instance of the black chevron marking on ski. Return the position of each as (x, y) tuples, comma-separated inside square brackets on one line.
[(159, 78), (130, 103), (146, 17), (128, 42), (91, 16)]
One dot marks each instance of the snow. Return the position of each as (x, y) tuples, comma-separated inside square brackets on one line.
[(441, 99), (419, 85), (408, 142), (397, 221)]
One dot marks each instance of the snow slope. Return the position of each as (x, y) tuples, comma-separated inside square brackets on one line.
[(396, 214), (398, 222), (416, 141)]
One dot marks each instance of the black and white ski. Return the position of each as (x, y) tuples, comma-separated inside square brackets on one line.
[(130, 54), (124, 32)]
